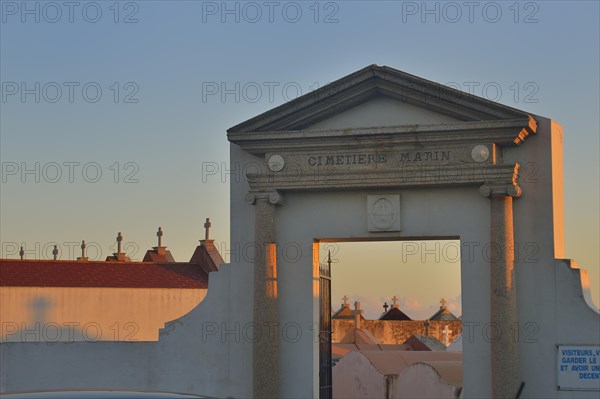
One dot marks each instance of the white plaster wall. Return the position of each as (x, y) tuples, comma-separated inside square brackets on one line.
[(422, 381), (552, 309), (208, 351), (242, 268), (192, 356), (355, 377), (85, 313), (83, 365)]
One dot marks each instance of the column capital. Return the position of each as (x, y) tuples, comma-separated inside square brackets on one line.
[(274, 197), (500, 188)]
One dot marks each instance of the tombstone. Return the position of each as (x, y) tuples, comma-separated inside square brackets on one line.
[(382, 154)]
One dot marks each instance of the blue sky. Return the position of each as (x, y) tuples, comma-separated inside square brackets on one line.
[(158, 125)]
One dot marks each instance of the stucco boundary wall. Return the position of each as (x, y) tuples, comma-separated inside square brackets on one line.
[(190, 357), (187, 364), (74, 314)]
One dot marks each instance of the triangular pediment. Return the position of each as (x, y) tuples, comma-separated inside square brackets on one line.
[(378, 96), (381, 110)]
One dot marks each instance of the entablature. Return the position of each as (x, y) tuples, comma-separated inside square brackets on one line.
[(499, 132)]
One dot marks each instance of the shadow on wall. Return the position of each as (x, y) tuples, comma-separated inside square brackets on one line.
[(38, 330)]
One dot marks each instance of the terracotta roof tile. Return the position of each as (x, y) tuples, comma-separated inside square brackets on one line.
[(52, 273)]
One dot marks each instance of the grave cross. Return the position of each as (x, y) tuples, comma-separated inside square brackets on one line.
[(159, 234), (345, 299), (119, 239), (207, 225)]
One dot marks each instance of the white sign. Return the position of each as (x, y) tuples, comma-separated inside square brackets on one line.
[(578, 367)]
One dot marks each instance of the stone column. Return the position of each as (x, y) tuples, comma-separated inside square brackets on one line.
[(503, 300), (265, 350)]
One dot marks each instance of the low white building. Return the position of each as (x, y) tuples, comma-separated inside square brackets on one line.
[(398, 374)]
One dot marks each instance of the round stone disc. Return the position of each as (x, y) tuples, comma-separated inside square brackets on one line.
[(480, 153), (276, 163)]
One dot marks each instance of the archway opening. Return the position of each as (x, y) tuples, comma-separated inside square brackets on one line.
[(393, 296), (418, 272)]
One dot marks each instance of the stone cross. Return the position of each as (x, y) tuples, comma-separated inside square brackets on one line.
[(159, 234), (345, 299), (395, 302), (22, 253), (446, 331), (207, 225), (357, 312), (443, 302), (55, 252), (119, 239)]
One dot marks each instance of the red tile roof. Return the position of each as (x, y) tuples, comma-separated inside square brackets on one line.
[(57, 273)]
